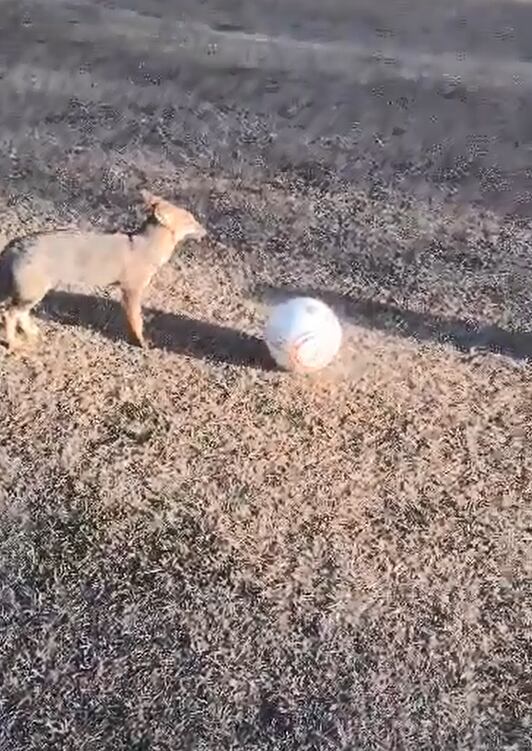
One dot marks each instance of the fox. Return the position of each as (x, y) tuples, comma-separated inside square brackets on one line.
[(48, 260)]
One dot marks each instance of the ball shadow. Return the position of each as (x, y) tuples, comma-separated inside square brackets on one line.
[(463, 335)]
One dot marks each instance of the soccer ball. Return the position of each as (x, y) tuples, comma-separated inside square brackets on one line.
[(303, 334)]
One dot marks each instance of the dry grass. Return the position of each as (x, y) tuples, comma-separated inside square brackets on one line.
[(201, 552)]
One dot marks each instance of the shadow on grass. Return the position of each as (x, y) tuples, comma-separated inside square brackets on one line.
[(175, 333), (463, 335)]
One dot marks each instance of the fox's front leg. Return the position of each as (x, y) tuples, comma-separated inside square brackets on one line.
[(131, 302), (18, 317), (10, 326)]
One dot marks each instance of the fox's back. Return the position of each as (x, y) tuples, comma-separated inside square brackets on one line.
[(71, 257)]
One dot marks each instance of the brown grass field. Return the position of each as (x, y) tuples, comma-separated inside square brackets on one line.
[(199, 552)]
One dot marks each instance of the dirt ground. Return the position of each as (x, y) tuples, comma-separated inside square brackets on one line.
[(198, 551)]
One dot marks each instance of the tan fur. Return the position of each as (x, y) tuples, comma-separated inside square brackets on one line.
[(48, 260)]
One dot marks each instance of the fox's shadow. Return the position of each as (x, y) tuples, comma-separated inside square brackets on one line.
[(169, 331)]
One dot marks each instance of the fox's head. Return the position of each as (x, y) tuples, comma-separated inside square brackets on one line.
[(181, 223)]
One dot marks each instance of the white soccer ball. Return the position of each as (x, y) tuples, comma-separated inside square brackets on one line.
[(303, 334)]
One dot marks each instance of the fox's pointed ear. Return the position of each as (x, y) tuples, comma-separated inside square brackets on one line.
[(163, 215)]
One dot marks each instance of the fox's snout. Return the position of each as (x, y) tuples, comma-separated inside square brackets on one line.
[(189, 228), (199, 233)]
